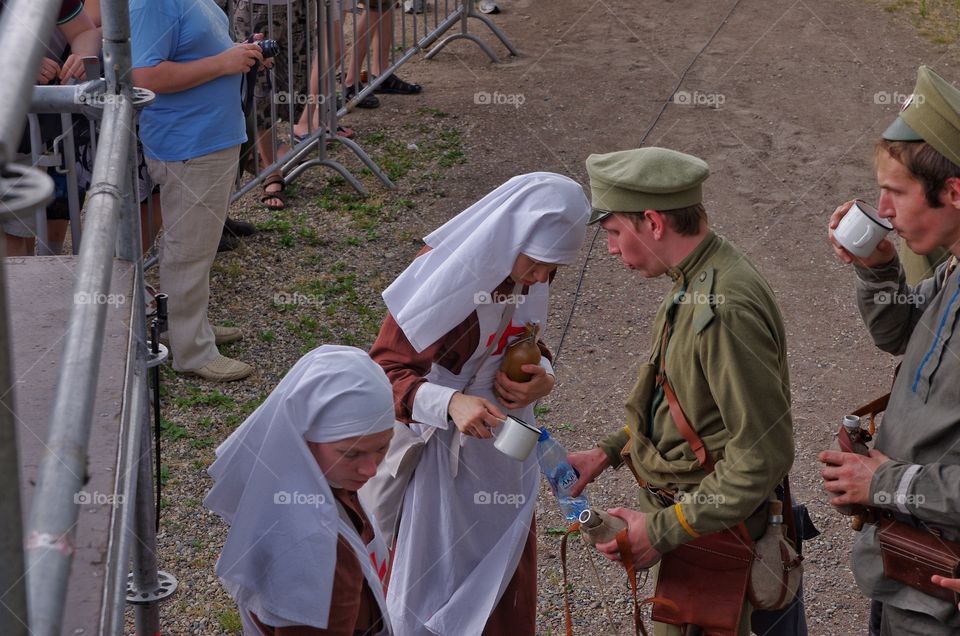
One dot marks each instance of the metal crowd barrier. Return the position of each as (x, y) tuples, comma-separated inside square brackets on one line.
[(414, 27), (35, 563)]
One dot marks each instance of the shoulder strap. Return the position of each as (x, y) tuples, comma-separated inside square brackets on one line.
[(676, 411), (680, 420)]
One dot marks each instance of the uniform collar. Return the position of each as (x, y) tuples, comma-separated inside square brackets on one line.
[(695, 260)]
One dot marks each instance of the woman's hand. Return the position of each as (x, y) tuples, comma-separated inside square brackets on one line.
[(48, 70), (474, 416), (517, 395), (73, 69)]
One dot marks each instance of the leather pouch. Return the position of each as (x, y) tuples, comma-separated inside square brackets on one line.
[(912, 555), (707, 580)]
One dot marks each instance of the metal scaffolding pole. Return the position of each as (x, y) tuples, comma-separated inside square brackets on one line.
[(25, 25), (53, 516), (13, 599)]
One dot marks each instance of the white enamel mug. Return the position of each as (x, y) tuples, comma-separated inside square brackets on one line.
[(861, 229), (516, 438)]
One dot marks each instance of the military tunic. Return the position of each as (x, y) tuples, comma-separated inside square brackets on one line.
[(920, 429), (726, 360)]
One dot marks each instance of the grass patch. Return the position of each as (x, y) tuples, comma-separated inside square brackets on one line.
[(936, 20), (229, 621), (195, 396)]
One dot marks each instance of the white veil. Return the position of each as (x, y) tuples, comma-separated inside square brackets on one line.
[(542, 215), (279, 556)]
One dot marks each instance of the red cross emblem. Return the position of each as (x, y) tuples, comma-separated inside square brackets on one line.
[(508, 333)]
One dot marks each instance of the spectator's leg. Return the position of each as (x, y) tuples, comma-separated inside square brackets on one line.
[(383, 37), (357, 54), (19, 246), (303, 127), (56, 233), (148, 235), (194, 195)]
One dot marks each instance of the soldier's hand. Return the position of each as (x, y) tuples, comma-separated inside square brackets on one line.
[(950, 584), (881, 256), (848, 476), (644, 556), (517, 395), (589, 464), (474, 416)]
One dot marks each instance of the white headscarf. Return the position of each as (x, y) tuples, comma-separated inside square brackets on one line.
[(280, 554), (542, 215)]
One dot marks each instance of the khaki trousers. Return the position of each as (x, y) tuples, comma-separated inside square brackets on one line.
[(194, 196)]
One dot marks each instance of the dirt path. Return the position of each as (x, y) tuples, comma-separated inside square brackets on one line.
[(785, 106)]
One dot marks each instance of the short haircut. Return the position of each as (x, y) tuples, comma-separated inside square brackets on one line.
[(924, 163), (684, 221)]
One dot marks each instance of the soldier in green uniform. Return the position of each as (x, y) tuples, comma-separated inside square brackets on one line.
[(913, 473), (725, 358)]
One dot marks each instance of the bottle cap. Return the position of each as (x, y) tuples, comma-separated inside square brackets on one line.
[(851, 422), (588, 519), (544, 434)]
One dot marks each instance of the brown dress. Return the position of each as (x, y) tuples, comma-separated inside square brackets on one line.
[(353, 607)]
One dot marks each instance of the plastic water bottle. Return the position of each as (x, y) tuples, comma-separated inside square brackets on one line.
[(561, 476)]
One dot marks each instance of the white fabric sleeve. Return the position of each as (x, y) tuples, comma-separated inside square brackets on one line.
[(546, 364), (430, 404)]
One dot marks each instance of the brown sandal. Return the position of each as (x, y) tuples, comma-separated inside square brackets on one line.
[(274, 179)]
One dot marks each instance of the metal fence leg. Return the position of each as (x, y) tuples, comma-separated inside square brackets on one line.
[(466, 12)]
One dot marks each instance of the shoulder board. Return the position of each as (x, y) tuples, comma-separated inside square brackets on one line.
[(701, 291)]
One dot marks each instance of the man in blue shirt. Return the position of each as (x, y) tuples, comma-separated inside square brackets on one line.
[(191, 135)]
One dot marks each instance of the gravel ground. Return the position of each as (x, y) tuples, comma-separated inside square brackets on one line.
[(792, 138)]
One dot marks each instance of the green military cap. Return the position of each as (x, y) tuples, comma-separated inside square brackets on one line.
[(644, 179), (931, 114)]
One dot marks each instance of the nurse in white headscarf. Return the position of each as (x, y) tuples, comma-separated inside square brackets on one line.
[(301, 551), (465, 551)]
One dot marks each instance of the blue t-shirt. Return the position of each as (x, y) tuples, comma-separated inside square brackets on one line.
[(200, 120)]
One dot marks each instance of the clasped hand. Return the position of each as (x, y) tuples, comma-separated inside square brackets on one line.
[(517, 395)]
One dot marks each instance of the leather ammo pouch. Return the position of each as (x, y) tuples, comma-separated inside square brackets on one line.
[(912, 555), (707, 578)]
